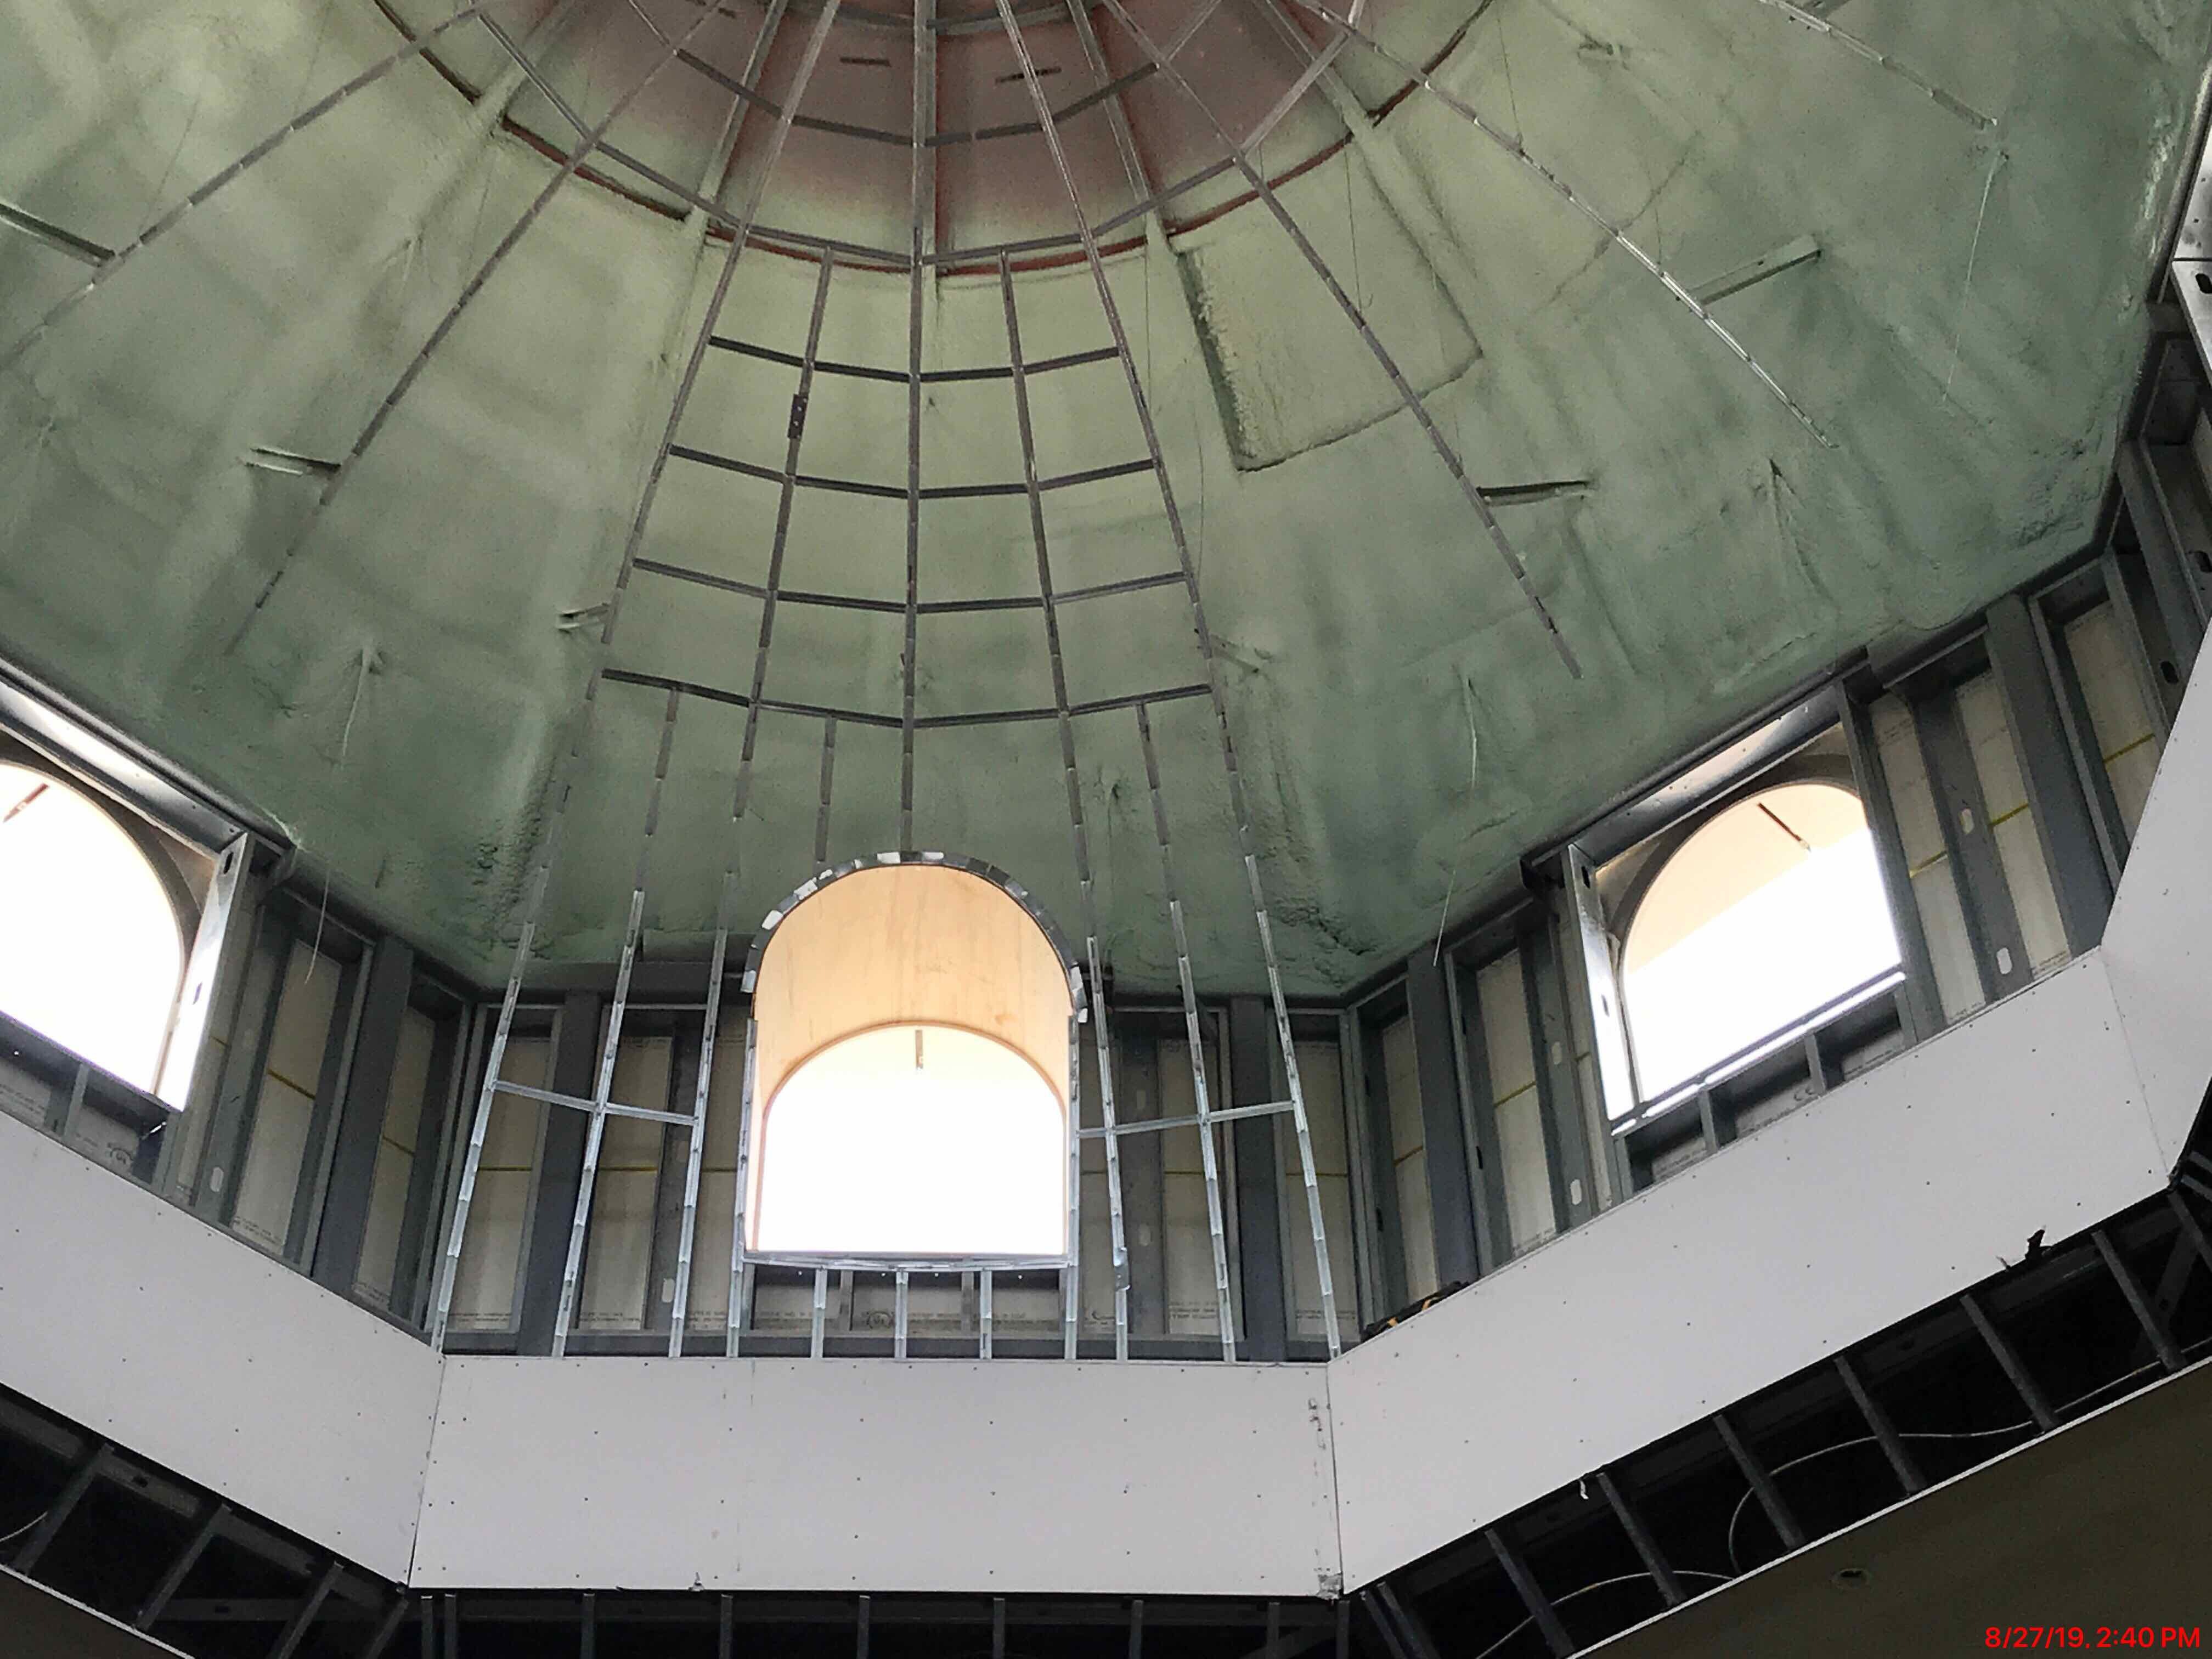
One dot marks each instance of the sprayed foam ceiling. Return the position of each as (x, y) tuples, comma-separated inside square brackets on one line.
[(388, 658)]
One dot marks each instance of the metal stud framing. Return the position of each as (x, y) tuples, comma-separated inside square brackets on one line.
[(1566, 192), (1239, 806), (1209, 1154), (1257, 182), (1078, 834), (578, 155), (566, 775), (109, 266)]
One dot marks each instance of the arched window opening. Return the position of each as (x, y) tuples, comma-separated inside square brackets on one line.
[(912, 1025), (1772, 913), (90, 950)]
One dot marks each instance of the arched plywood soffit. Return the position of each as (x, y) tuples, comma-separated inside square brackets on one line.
[(912, 1080)]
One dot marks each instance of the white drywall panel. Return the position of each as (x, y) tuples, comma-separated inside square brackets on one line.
[(1898, 1189), (881, 1475), (2158, 940), (188, 1347)]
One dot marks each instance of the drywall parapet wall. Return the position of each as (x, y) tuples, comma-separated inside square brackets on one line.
[(1007, 1476), (188, 1347), (2050, 1110), (1895, 1191), (2158, 940)]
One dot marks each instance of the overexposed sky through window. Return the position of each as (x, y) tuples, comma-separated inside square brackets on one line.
[(89, 951), (915, 1140), (1774, 908)]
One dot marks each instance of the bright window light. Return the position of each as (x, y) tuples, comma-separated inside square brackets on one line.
[(1771, 910), (90, 953), (962, 1144)]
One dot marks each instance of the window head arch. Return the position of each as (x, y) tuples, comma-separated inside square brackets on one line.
[(90, 948), (912, 1064), (1771, 911)]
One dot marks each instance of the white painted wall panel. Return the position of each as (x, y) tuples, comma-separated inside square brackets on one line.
[(2158, 941), (191, 1348), (880, 1475), (1901, 1187)]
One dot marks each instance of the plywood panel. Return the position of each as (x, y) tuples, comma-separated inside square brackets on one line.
[(911, 943)]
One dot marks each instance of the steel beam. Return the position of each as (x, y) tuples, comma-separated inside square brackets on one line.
[(1984, 896), (1922, 1010), (560, 1174), (359, 1126), (88, 1470), (2064, 825), (1259, 1204), (1640, 1535), (1761, 1484), (1546, 1616), (1443, 1133), (2180, 601), (2154, 1327), (150, 1611), (1558, 1090), (1901, 1460), (1478, 1093), (311, 1606), (2031, 1395), (1144, 1194)]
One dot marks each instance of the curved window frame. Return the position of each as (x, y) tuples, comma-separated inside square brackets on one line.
[(756, 1103), (185, 911), (1798, 771)]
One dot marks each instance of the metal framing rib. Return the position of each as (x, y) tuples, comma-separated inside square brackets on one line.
[(114, 262), (1881, 59), (1239, 808), (734, 1319), (578, 155), (1566, 192), (1411, 399), (611, 1044), (1078, 834), (921, 206), (1209, 1155), (566, 778)]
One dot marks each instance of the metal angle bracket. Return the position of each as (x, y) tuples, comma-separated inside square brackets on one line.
[(2192, 281)]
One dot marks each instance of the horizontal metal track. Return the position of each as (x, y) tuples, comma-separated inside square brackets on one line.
[(898, 376), (893, 722), (894, 607), (895, 493)]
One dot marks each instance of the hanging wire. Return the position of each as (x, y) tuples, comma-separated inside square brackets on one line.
[(1590, 1589)]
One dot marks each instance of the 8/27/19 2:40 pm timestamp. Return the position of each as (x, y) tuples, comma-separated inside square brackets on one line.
[(2168, 1637)]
